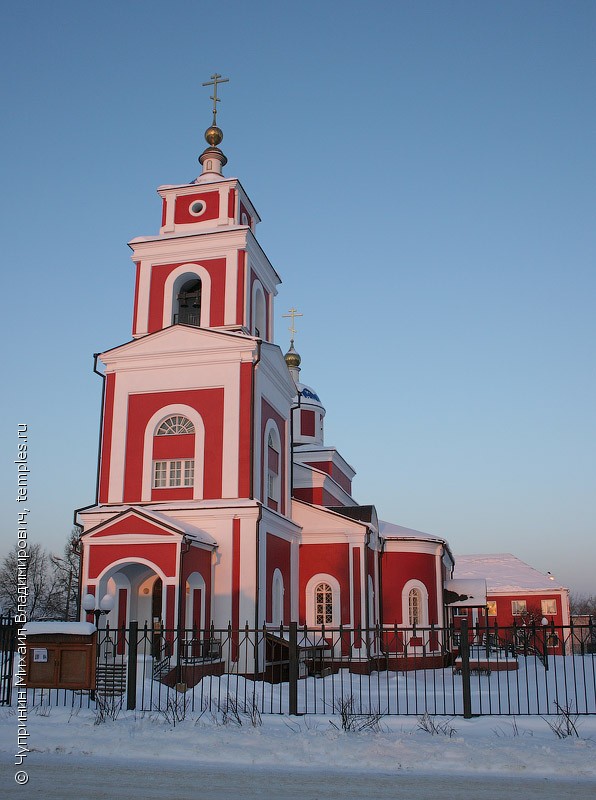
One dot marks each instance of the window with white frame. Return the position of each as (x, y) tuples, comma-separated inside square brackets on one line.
[(170, 474), (277, 598), (548, 606), (259, 311), (519, 607), (415, 607), (272, 471), (323, 604), (491, 607), (174, 426)]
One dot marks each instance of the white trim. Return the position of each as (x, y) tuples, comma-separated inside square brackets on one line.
[(197, 213), (231, 288), (439, 588), (123, 562), (199, 454), (143, 299), (294, 579), (353, 622), (177, 277), (231, 434)]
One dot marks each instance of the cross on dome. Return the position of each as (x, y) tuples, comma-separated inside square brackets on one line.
[(215, 79), (292, 313)]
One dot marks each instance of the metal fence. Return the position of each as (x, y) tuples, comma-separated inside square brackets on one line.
[(458, 670), (8, 633)]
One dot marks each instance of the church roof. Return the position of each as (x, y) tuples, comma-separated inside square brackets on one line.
[(504, 572), (308, 395), (390, 531)]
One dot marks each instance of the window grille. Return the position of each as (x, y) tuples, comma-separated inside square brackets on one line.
[(323, 604), (173, 426)]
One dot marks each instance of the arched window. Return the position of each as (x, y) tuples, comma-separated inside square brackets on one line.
[(415, 607), (323, 601), (170, 473), (259, 312), (188, 303), (187, 293), (323, 606), (194, 618), (414, 600), (277, 598), (371, 602), (180, 440), (172, 426), (273, 469)]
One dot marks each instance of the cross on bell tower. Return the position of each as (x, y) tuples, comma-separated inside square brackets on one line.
[(212, 159), (215, 79)]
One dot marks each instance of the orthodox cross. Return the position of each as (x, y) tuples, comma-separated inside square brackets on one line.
[(292, 313), (215, 79)]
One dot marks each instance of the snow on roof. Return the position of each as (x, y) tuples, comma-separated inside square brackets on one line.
[(309, 395), (189, 530), (504, 572), (390, 531), (54, 626)]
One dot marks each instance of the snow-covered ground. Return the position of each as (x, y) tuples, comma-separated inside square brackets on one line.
[(486, 751)]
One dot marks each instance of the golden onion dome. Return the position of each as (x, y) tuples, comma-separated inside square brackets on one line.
[(292, 358)]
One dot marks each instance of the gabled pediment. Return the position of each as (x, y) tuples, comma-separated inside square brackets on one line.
[(134, 522), (181, 339)]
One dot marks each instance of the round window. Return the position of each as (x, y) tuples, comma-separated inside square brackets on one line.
[(197, 207)]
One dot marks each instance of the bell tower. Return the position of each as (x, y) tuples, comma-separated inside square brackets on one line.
[(205, 268), (194, 476)]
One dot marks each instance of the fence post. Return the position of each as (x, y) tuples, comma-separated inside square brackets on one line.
[(293, 669), (131, 678), (465, 669)]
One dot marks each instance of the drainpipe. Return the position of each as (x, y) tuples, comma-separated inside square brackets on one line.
[(258, 590), (380, 557), (252, 495), (101, 410), (255, 363), (91, 505)]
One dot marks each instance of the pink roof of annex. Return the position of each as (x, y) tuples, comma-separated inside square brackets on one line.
[(504, 572)]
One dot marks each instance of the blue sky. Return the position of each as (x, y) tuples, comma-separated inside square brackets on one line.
[(425, 174)]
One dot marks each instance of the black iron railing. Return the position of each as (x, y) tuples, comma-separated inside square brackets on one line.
[(391, 670), (8, 631)]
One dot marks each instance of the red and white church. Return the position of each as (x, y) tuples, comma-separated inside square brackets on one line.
[(219, 501)]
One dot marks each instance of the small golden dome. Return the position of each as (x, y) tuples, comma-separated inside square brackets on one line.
[(214, 135), (292, 358)]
